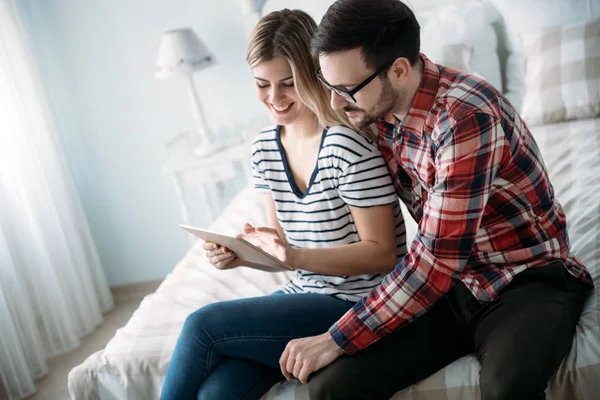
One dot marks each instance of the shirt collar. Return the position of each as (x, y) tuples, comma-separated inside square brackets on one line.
[(424, 99)]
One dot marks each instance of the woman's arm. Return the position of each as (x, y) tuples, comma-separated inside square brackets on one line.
[(272, 216), (374, 254)]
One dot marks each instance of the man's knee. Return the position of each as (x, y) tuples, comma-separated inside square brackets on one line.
[(344, 379), (327, 384), (335, 381), (507, 385)]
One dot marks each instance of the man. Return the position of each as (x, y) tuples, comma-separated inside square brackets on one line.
[(490, 270)]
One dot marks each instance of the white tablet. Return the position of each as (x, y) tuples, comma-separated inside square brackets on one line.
[(252, 256)]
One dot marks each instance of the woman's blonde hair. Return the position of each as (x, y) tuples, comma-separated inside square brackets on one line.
[(287, 34)]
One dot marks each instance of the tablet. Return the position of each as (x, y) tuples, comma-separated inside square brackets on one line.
[(252, 256)]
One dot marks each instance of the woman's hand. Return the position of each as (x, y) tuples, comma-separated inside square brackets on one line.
[(269, 240), (221, 257)]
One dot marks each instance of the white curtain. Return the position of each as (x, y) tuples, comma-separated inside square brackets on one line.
[(53, 290)]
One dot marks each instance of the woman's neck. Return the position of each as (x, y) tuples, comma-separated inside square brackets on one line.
[(304, 127)]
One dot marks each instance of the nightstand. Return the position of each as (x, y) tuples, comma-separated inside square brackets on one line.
[(205, 181)]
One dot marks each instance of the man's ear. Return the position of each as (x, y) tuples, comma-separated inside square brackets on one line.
[(399, 71)]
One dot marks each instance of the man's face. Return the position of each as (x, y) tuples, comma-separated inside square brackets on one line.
[(346, 70)]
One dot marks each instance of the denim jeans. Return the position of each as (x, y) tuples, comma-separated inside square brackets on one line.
[(230, 350)]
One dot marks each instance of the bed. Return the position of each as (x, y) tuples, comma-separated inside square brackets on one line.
[(134, 363)]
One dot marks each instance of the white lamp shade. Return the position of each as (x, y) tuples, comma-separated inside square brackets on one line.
[(181, 52)]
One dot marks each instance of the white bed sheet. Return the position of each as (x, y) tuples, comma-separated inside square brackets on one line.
[(134, 363)]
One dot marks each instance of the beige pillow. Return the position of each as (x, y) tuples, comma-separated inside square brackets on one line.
[(562, 73)]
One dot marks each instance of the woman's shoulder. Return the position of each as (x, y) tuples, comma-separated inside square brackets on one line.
[(343, 139), (266, 136)]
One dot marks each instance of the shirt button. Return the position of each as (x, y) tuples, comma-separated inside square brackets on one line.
[(434, 135), (417, 197)]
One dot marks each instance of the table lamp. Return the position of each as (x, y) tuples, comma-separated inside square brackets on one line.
[(181, 52)]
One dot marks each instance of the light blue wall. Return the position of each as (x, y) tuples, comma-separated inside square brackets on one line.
[(97, 60)]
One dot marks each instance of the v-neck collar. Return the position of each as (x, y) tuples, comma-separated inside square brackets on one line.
[(288, 170)]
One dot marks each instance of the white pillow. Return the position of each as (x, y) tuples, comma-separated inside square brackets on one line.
[(521, 16), (470, 25), (562, 74)]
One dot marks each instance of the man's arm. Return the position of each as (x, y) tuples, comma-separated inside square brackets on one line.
[(467, 161)]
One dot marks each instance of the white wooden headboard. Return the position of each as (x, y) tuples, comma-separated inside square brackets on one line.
[(317, 8)]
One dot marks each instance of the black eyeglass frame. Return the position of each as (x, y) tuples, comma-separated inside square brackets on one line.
[(348, 95)]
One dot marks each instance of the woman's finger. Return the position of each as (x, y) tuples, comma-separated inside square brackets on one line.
[(212, 254), (265, 245), (250, 235), (247, 228), (209, 246), (270, 232), (219, 251), (215, 258), (223, 264)]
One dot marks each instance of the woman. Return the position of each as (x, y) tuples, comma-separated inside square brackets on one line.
[(333, 216)]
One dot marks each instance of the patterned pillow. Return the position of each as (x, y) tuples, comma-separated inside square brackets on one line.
[(562, 73)]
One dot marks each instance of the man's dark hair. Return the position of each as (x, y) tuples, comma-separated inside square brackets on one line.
[(383, 29)]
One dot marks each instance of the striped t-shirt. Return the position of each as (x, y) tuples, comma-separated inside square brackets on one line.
[(349, 172)]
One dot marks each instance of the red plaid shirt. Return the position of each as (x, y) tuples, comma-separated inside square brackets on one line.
[(471, 175)]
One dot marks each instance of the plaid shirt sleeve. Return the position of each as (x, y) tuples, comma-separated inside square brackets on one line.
[(468, 157)]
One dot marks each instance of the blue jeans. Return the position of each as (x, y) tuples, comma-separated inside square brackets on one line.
[(230, 350)]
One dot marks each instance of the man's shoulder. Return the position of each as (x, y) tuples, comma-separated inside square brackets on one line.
[(463, 95)]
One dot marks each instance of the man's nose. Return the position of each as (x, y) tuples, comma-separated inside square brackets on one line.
[(337, 101)]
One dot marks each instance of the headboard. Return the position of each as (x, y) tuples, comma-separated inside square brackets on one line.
[(316, 8)]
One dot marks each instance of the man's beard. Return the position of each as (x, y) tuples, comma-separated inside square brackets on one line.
[(386, 103)]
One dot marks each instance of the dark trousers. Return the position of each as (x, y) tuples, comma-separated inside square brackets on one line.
[(520, 340)]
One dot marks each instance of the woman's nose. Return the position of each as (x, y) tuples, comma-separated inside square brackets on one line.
[(275, 95)]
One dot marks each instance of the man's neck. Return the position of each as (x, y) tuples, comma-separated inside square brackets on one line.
[(411, 91)]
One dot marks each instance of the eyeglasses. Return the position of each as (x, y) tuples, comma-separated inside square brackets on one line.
[(348, 95)]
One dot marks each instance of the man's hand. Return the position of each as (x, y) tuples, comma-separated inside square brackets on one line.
[(302, 357)]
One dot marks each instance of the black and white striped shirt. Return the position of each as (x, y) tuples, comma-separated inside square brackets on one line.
[(349, 172)]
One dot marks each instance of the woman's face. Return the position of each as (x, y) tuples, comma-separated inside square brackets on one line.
[(274, 85)]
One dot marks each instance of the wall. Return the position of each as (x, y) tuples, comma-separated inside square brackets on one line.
[(97, 60)]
